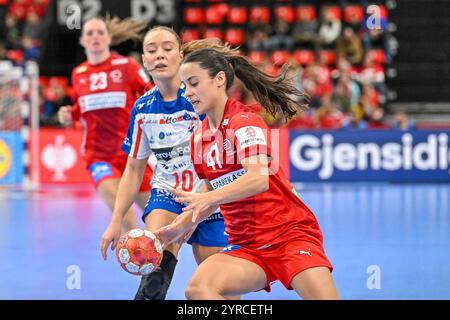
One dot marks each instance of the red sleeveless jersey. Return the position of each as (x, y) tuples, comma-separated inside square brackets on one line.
[(264, 219), (104, 95)]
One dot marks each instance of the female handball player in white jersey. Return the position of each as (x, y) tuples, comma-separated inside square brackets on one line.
[(162, 123)]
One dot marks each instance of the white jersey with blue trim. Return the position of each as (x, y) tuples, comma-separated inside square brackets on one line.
[(164, 128)]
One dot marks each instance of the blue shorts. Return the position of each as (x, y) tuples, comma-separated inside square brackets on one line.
[(102, 170), (209, 233)]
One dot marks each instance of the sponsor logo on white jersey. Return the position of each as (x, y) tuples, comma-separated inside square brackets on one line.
[(168, 136), (182, 117), (173, 152)]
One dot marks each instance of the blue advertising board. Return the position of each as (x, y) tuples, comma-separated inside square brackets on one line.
[(385, 155), (11, 162)]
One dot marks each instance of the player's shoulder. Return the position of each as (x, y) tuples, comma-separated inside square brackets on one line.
[(149, 86), (198, 133), (147, 100), (80, 69), (246, 114), (151, 94)]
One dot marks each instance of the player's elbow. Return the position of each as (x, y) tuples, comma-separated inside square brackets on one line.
[(261, 183), (136, 166), (265, 185)]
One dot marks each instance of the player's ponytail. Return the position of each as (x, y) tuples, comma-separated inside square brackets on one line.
[(278, 95), (209, 43), (275, 94), (121, 30)]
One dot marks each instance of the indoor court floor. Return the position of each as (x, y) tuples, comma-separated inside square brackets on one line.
[(386, 241)]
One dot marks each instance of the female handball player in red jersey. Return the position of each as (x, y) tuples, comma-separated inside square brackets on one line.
[(273, 235), (105, 87), (161, 123)]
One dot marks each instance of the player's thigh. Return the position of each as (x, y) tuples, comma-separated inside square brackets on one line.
[(159, 218), (201, 253), (107, 189), (314, 284), (228, 275)]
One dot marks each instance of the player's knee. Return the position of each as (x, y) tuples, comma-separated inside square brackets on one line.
[(326, 295), (331, 294), (193, 292), (199, 291), (323, 294)]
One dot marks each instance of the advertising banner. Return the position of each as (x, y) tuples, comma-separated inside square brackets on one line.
[(369, 156), (11, 158), (60, 160)]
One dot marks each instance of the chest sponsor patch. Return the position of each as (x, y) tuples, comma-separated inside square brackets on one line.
[(104, 100)]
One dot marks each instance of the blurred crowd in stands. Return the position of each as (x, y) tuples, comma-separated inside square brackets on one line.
[(22, 26), (337, 50), (337, 55)]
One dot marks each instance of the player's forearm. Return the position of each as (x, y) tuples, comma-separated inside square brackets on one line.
[(245, 186), (128, 189), (184, 221)]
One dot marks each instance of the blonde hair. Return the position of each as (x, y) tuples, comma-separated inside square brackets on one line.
[(168, 29), (121, 30), (191, 46)]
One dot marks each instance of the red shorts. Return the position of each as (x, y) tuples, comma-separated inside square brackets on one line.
[(285, 260), (108, 169)]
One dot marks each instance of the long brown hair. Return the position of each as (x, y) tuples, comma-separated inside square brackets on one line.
[(275, 94), (209, 43)]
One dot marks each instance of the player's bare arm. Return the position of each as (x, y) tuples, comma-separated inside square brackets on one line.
[(181, 228), (127, 192), (254, 181)]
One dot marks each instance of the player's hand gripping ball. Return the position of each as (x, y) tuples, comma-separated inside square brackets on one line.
[(139, 252)]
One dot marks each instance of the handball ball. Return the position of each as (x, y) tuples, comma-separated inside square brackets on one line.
[(139, 252)]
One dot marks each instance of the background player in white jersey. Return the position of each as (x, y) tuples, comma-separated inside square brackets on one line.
[(162, 123), (106, 86)]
